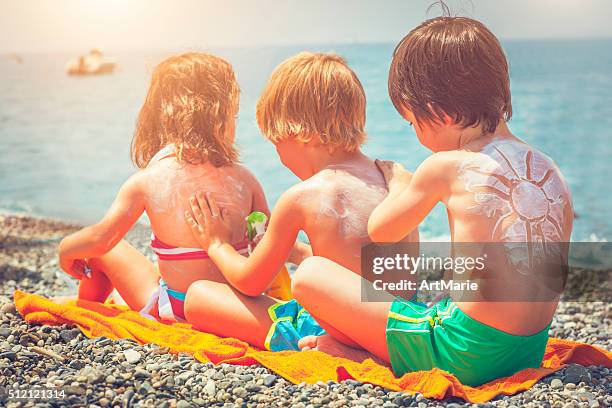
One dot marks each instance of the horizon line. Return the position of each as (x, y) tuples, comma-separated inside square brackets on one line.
[(286, 45)]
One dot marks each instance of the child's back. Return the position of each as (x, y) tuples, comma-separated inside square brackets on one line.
[(184, 142), (502, 190), (166, 187), (336, 204), (507, 191), (449, 78), (313, 110)]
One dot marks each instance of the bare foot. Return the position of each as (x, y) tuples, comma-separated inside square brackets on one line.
[(327, 344), (308, 343)]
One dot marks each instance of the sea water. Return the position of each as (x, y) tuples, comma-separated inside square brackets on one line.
[(64, 141)]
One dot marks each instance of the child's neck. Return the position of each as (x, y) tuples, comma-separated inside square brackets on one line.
[(324, 159), (470, 135)]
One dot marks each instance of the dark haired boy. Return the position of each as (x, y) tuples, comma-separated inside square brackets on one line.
[(449, 79)]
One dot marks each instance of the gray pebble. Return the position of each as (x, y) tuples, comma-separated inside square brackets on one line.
[(141, 374), (77, 364), (576, 374), (128, 395), (8, 308), (556, 383), (131, 356), (269, 380), (253, 388), (11, 355), (68, 335), (184, 376), (586, 396), (210, 388)]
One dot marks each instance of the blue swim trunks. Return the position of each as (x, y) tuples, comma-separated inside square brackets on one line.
[(290, 322)]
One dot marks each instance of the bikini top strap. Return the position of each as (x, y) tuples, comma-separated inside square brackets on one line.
[(164, 152)]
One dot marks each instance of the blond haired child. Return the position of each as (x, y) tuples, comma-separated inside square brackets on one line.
[(313, 110), (184, 142), (449, 79)]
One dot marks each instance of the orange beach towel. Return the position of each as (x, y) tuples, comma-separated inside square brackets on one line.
[(112, 321)]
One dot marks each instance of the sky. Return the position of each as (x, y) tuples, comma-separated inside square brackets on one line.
[(157, 25)]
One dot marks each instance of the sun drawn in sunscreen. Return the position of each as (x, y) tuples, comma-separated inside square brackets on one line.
[(522, 190)]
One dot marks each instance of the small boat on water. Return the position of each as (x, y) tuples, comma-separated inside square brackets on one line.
[(95, 63), (13, 56)]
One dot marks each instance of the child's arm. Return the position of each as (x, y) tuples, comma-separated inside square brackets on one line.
[(300, 250), (259, 198), (254, 274), (97, 239), (410, 199)]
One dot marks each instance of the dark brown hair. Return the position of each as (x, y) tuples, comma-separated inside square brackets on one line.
[(190, 100), (453, 66)]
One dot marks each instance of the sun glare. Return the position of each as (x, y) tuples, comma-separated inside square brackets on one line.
[(108, 8)]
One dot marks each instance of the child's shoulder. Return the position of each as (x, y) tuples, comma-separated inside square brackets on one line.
[(304, 192), (440, 165), (242, 171), (335, 185), (488, 156), (238, 174), (325, 181), (508, 156), (173, 167), (303, 189), (137, 180)]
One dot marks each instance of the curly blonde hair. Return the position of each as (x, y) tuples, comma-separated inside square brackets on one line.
[(191, 99), (314, 95)]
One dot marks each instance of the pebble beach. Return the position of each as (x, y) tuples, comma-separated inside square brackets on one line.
[(105, 373)]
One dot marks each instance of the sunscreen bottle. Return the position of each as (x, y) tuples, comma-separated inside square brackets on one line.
[(280, 288)]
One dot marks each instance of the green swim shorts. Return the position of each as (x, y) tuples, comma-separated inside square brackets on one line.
[(290, 322), (442, 336)]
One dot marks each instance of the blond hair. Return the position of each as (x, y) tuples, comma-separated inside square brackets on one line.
[(314, 95), (190, 100)]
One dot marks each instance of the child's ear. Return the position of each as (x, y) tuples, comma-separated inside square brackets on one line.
[(312, 141)]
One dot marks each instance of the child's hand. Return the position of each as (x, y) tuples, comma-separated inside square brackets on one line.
[(77, 268), (396, 176), (209, 224), (299, 252)]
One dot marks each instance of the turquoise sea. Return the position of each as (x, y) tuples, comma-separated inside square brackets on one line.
[(64, 141)]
